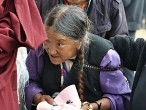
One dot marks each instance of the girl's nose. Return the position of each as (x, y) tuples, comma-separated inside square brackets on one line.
[(52, 50)]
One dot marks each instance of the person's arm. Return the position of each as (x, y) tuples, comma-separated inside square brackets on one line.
[(115, 88), (114, 84), (128, 49), (33, 90), (33, 87), (102, 104), (118, 19)]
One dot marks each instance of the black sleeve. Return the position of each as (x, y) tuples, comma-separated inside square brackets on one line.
[(128, 49)]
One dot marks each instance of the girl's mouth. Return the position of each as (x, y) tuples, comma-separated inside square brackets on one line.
[(53, 56)]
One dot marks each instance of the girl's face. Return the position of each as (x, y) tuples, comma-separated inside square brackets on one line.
[(76, 2), (59, 47)]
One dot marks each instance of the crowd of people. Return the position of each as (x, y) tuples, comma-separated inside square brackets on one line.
[(86, 43)]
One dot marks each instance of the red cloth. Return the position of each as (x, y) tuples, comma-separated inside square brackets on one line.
[(20, 25)]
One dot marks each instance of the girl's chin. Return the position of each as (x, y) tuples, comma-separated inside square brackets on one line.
[(56, 62)]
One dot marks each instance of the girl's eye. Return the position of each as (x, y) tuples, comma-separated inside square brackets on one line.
[(60, 44)]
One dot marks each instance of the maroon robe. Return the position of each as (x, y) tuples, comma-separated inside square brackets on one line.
[(20, 25)]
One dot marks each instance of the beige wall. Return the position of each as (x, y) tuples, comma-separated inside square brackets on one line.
[(141, 33)]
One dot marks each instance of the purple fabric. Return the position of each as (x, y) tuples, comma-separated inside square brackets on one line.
[(114, 82), (111, 82), (34, 63)]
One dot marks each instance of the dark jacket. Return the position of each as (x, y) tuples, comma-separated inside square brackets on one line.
[(133, 54), (107, 16)]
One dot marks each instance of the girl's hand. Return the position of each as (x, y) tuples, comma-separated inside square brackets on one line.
[(39, 98), (84, 107)]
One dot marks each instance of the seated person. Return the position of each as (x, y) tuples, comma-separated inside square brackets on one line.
[(72, 55)]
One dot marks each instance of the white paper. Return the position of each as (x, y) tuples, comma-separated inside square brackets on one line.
[(69, 94)]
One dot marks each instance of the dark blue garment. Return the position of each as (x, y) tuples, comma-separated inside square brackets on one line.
[(107, 16)]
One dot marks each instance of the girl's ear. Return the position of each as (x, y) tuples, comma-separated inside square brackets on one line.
[(79, 45)]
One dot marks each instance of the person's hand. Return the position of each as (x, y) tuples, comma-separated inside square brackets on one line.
[(39, 98), (85, 107)]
